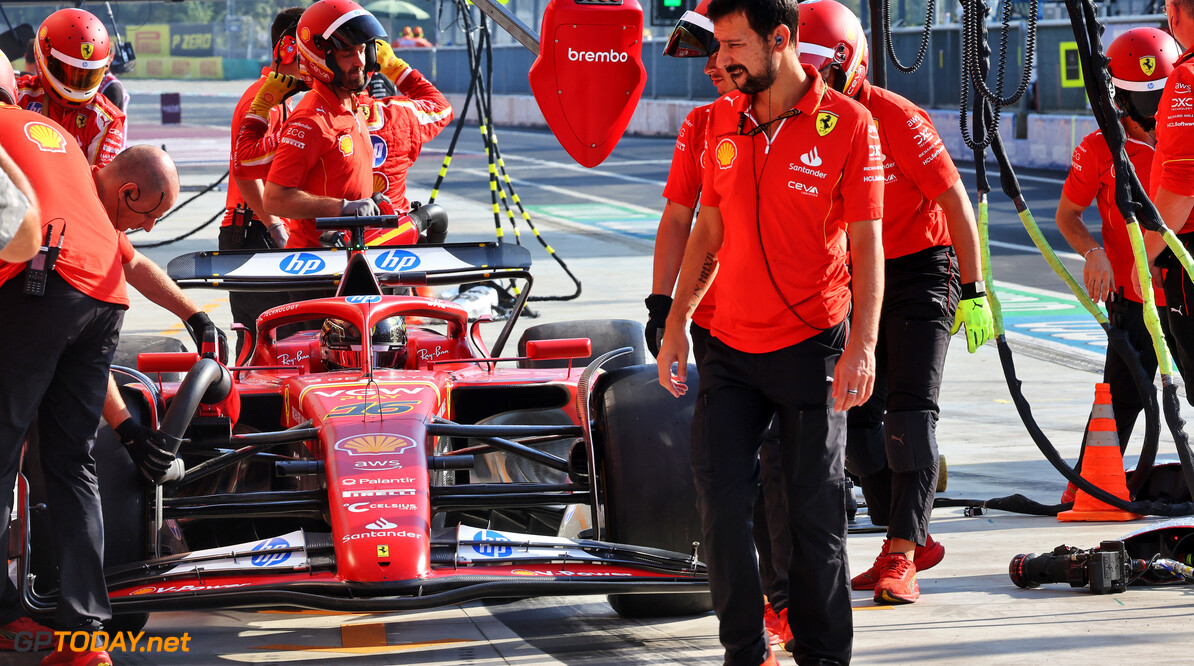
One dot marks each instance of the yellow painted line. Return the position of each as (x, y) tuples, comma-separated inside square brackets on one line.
[(875, 607), (305, 612), (179, 326), (375, 649)]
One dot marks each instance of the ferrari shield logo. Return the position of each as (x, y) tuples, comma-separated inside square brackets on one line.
[(383, 551), (1148, 64), (826, 121), (87, 49), (80, 120), (726, 153)]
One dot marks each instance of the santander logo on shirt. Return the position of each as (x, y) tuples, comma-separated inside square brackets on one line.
[(811, 158)]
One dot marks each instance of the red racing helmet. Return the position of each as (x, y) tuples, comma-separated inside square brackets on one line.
[(831, 36), (329, 25), (72, 53), (693, 35), (1140, 62), (8, 82)]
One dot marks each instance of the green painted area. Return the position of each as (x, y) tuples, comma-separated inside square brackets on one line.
[(1023, 303), (593, 212)]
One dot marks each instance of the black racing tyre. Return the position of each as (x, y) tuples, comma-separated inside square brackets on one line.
[(605, 334), (645, 475), (122, 492)]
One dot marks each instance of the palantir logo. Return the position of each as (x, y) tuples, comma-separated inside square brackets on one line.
[(303, 263), (812, 158), (494, 545), (396, 261), (270, 559)]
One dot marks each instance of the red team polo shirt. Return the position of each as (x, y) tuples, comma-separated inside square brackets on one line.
[(93, 252), (684, 187), (98, 128), (251, 159), (325, 151), (916, 170), (399, 126), (1173, 163), (799, 194)]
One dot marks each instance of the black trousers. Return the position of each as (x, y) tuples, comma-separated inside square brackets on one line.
[(739, 395), (247, 306), (892, 442), (772, 540), (56, 366), (1179, 297)]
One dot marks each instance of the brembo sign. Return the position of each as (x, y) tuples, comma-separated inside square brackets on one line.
[(589, 75)]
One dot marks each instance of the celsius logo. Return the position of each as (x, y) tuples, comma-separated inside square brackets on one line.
[(303, 263), (396, 261), (270, 559), (811, 158), (597, 56)]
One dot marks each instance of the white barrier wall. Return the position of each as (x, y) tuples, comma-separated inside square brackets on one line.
[(1048, 144)]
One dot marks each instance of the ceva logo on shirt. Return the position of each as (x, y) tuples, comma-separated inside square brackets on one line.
[(396, 261), (303, 263)]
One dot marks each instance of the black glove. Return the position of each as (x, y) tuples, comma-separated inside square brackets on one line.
[(197, 325), (146, 447), (658, 307)]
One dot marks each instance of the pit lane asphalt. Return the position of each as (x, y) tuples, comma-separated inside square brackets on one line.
[(969, 611)]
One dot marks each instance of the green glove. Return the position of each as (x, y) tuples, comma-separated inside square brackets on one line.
[(974, 313)]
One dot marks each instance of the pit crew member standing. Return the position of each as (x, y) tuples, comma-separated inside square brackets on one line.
[(1141, 59), (930, 241), (60, 357), (693, 38), (399, 126), (1171, 187), (780, 234), (73, 53), (323, 166), (249, 164)]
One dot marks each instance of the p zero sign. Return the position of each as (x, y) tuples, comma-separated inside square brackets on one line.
[(589, 74)]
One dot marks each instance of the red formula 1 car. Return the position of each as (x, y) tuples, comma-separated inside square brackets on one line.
[(407, 468)]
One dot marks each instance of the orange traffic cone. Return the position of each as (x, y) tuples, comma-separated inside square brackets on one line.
[(1102, 465)]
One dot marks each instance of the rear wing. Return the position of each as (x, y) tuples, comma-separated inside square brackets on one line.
[(311, 269)]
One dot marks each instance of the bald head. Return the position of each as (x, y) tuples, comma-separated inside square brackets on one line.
[(138, 187)]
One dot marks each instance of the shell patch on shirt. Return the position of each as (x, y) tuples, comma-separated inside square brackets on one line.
[(45, 137), (726, 153), (345, 145)]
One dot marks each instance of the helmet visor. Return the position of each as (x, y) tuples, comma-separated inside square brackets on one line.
[(78, 75), (691, 38), (354, 28)]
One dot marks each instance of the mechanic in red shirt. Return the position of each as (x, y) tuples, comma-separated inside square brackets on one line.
[(930, 244), (73, 53), (59, 357), (400, 125), (1171, 187), (693, 38), (779, 233), (323, 165), (1140, 61), (249, 164), (20, 221)]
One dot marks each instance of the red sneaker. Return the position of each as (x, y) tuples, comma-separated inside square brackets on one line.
[(925, 557), (21, 625), (897, 581), (778, 631), (69, 657), (1068, 494)]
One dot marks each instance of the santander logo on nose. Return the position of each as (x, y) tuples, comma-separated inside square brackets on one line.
[(596, 56)]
